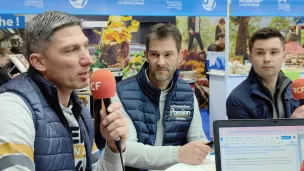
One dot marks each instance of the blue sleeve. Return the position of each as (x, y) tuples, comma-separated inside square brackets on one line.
[(236, 110)]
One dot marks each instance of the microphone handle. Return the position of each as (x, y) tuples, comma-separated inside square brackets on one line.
[(107, 102), (99, 139), (97, 117), (301, 102)]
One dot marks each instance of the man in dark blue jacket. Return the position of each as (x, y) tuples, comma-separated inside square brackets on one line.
[(165, 126), (266, 93), (43, 123)]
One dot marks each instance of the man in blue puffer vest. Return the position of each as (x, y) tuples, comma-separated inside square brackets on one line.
[(43, 124), (266, 93), (165, 126)]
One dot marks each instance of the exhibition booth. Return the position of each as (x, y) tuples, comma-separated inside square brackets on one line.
[(117, 35), (117, 29), (212, 75), (245, 17)]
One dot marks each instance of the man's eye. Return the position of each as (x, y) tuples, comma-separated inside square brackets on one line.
[(71, 50), (274, 52), (260, 53), (154, 54)]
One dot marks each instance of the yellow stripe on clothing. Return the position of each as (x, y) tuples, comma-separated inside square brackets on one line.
[(94, 148), (11, 148), (79, 151)]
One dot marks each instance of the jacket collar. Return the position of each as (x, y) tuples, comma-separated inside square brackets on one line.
[(152, 92), (258, 87), (50, 92)]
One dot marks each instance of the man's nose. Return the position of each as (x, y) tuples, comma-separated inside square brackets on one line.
[(86, 58), (161, 61), (267, 57)]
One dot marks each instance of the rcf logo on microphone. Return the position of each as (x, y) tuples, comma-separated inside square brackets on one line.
[(298, 89), (95, 85)]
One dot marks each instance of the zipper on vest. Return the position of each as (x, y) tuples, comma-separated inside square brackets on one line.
[(67, 126), (64, 122)]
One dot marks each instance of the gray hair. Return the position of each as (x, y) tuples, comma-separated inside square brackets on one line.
[(293, 37), (39, 31), (163, 31)]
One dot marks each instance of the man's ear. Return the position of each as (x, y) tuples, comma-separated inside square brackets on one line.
[(284, 55), (180, 57), (146, 55), (250, 57), (37, 61)]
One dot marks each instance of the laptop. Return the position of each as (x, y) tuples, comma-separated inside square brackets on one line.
[(259, 145)]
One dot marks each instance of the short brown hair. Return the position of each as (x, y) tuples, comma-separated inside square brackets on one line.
[(163, 31), (265, 33), (220, 35), (222, 21)]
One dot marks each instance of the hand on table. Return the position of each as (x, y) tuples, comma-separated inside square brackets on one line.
[(194, 153)]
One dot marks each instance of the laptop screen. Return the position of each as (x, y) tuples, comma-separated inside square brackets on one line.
[(277, 148)]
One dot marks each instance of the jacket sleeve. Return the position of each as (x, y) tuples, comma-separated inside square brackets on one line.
[(235, 109), (109, 161), (196, 132), (17, 134)]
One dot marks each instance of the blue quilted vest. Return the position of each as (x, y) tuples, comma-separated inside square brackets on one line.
[(141, 101), (53, 141)]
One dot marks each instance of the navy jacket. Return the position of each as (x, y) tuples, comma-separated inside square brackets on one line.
[(141, 101), (250, 99), (53, 147)]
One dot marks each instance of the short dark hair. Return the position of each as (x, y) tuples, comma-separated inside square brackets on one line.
[(222, 21), (220, 35), (163, 31), (265, 33)]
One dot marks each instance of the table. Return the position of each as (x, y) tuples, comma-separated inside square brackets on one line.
[(208, 165)]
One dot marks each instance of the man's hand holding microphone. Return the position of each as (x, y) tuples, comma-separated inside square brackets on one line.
[(297, 87), (112, 123)]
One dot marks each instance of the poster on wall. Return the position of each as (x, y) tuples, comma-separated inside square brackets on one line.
[(198, 33), (216, 62), (11, 39), (249, 16), (11, 31), (118, 7), (241, 28), (120, 43)]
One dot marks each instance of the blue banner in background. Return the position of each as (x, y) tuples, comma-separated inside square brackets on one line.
[(119, 7), (11, 21), (267, 7)]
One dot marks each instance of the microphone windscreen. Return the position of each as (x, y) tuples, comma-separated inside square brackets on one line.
[(298, 89), (102, 84)]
